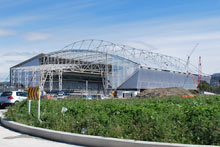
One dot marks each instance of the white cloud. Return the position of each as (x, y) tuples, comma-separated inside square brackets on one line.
[(13, 58), (140, 45), (33, 36), (17, 21), (174, 38), (5, 32), (21, 53), (190, 37), (166, 36)]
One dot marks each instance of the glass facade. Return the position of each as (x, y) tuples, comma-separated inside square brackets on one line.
[(121, 71)]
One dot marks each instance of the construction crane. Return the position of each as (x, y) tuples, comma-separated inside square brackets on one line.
[(200, 70), (188, 57), (187, 66)]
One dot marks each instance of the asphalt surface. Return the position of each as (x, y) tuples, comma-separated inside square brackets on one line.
[(9, 138)]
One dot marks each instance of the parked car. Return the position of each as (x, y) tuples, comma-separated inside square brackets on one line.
[(95, 96), (60, 95), (12, 97), (66, 93)]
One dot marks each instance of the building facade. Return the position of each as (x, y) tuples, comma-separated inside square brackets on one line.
[(99, 66)]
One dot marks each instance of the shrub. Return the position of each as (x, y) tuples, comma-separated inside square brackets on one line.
[(177, 120)]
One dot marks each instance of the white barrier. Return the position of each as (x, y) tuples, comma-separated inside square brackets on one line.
[(85, 140)]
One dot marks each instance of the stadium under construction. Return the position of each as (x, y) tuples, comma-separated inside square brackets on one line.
[(98, 67)]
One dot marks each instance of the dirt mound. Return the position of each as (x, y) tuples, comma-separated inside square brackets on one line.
[(164, 92)]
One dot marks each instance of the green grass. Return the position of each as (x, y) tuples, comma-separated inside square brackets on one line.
[(176, 120)]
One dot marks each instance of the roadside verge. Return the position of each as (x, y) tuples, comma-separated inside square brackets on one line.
[(85, 140)]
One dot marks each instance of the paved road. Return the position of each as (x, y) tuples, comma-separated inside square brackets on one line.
[(10, 138)]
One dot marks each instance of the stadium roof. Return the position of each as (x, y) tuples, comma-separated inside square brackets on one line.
[(97, 51)]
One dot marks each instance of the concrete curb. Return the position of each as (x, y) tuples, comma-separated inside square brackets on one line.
[(85, 140)]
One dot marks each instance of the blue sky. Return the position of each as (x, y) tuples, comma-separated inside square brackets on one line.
[(171, 27)]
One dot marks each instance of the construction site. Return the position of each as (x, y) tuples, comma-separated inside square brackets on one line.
[(97, 67)]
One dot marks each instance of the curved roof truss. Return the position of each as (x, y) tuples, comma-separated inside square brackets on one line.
[(95, 50)]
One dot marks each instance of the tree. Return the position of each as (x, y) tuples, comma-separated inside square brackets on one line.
[(204, 86)]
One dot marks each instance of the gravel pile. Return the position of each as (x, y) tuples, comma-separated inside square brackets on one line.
[(164, 92)]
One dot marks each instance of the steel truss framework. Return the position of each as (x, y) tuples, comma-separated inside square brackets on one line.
[(113, 62)]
